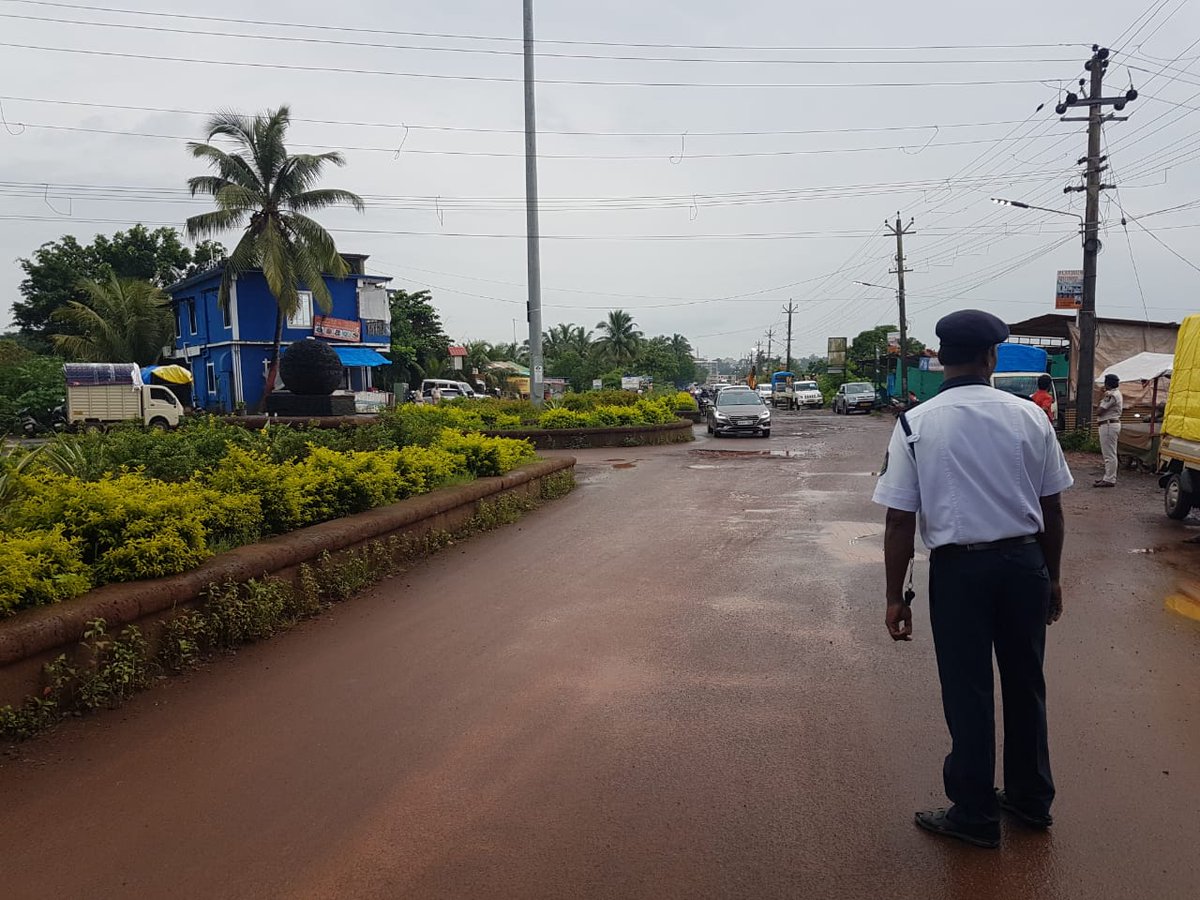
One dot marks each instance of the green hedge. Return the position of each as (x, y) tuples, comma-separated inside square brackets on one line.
[(594, 409), (129, 505)]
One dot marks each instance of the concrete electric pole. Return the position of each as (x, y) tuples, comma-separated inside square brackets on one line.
[(899, 271), (790, 309), (532, 231), (1094, 164), (770, 338)]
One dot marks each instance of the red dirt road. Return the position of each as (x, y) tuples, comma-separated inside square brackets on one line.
[(673, 683)]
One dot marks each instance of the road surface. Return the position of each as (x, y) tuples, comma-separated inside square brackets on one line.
[(674, 683)]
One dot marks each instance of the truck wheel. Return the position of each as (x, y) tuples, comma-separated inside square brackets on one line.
[(1178, 502), (92, 428), (158, 423)]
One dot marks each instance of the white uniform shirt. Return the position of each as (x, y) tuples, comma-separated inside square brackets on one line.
[(1112, 404), (984, 458)]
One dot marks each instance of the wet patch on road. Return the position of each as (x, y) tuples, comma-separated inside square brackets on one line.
[(625, 465), (758, 454)]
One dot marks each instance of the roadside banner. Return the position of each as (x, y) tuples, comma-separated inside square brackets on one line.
[(1068, 293)]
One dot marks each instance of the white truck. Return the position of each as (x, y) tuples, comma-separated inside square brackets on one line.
[(103, 394)]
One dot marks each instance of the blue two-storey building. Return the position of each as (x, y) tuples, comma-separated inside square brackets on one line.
[(228, 351)]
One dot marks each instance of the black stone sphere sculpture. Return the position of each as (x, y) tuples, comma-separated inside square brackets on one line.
[(310, 367)]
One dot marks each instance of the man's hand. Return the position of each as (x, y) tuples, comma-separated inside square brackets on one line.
[(1056, 604), (899, 620)]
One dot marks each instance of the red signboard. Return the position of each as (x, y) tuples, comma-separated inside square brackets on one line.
[(337, 329)]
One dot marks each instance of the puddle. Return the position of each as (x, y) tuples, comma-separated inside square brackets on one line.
[(755, 454), (705, 467), (1148, 550), (625, 465)]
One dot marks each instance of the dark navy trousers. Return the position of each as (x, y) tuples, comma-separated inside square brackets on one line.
[(980, 601)]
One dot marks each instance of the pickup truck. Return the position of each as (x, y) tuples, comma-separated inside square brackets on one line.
[(1179, 452), (791, 393), (102, 394)]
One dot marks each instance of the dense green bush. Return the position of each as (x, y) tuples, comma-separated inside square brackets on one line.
[(128, 526), (38, 568), (133, 504), (562, 418), (685, 402)]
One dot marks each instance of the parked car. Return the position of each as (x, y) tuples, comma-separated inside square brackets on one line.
[(449, 389), (854, 396), (764, 392), (739, 411)]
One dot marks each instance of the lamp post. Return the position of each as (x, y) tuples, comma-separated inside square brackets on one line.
[(1085, 365), (902, 367)]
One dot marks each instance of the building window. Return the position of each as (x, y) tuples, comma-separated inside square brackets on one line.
[(176, 319), (212, 378), (226, 312), (191, 311), (303, 316)]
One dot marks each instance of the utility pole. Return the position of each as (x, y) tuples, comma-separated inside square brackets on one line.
[(1094, 164), (789, 309), (770, 337), (899, 271), (532, 231)]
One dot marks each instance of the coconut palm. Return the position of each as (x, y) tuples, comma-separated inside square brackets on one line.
[(621, 340), (122, 320), (269, 193)]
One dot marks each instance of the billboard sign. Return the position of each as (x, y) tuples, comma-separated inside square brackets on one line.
[(1069, 291), (837, 354), (893, 339)]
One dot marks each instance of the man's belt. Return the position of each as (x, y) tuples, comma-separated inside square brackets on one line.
[(987, 545), (1109, 422)]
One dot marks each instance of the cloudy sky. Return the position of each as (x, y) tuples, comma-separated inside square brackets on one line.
[(702, 162)]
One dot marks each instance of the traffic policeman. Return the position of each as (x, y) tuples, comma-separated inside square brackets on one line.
[(982, 471)]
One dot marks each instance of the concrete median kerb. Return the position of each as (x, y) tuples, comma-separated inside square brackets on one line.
[(29, 639), (677, 432)]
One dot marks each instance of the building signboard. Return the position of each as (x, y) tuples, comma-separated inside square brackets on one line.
[(337, 329)]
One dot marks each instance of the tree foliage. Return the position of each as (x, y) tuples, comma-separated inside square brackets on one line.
[(54, 272), (120, 320), (419, 342), (873, 343)]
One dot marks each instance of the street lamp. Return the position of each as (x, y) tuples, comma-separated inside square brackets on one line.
[(1019, 205), (902, 361)]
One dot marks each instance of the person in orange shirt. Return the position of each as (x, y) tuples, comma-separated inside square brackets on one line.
[(1043, 397)]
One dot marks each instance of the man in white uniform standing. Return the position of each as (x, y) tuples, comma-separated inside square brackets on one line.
[(983, 471), (1112, 404)]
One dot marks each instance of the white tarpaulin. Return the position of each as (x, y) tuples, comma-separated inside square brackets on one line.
[(1139, 378), (1142, 367)]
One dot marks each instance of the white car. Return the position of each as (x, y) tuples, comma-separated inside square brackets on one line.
[(764, 392)]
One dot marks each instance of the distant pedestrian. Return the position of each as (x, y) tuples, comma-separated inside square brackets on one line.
[(1043, 397), (436, 394), (1112, 404), (983, 470)]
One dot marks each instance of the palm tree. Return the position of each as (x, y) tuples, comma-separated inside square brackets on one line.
[(123, 320), (580, 341), (681, 346), (621, 340), (556, 339), (269, 192)]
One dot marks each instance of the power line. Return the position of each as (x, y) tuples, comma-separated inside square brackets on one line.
[(501, 79), (158, 29), (510, 39), (640, 157), (573, 133)]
